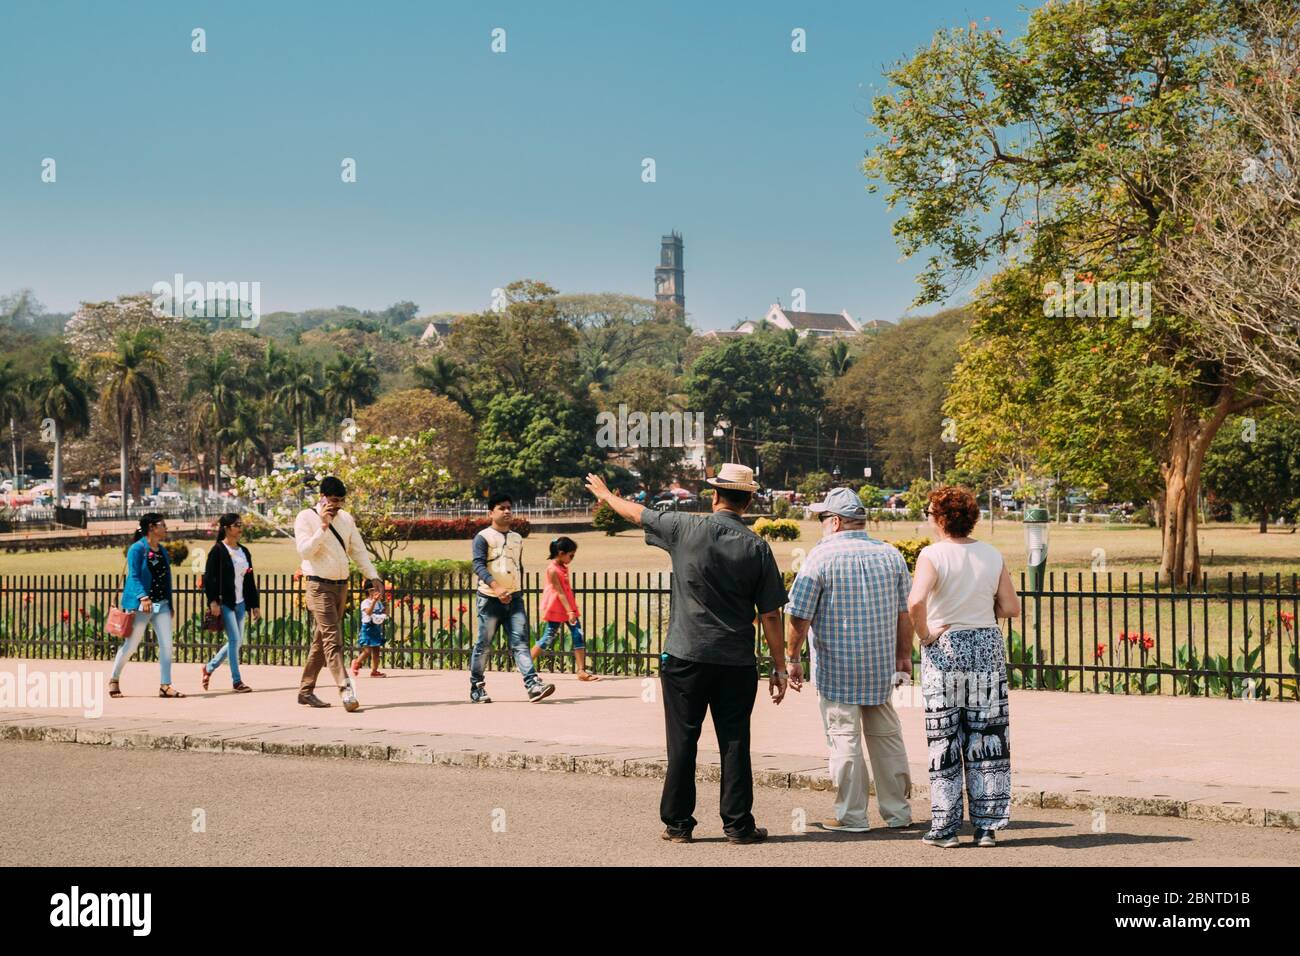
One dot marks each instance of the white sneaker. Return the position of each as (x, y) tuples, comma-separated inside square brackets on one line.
[(350, 702)]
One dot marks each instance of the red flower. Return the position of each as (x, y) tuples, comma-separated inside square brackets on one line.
[(82, 612), (1287, 620), (1147, 642), (66, 616), (27, 599), (1126, 100), (451, 620), (1134, 637), (463, 609), (433, 614), (419, 609), (1101, 651)]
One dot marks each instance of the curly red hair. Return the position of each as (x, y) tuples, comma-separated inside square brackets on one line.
[(955, 509)]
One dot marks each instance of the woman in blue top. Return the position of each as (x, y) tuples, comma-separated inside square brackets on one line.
[(148, 592)]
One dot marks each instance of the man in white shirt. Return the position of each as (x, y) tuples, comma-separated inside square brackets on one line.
[(326, 536)]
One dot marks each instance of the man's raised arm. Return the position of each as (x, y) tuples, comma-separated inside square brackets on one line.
[(628, 509)]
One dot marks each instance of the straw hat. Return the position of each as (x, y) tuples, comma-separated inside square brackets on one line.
[(732, 475)]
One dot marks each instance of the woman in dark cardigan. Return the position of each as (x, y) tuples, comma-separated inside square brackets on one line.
[(231, 590)]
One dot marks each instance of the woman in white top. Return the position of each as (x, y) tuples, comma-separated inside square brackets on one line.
[(960, 589), (231, 590)]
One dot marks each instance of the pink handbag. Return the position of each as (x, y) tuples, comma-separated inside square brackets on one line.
[(120, 623)]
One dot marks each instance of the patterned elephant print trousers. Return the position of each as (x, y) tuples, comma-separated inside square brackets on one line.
[(964, 684)]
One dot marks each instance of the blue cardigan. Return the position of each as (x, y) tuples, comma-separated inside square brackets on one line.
[(138, 576)]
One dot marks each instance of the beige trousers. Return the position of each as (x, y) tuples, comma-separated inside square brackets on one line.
[(325, 601), (845, 725)]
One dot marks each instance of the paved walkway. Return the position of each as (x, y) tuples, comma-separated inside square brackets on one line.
[(1233, 761)]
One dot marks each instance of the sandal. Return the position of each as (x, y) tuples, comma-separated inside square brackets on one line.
[(378, 674), (114, 689), (242, 688), (356, 667), (166, 690), (587, 675), (207, 676)]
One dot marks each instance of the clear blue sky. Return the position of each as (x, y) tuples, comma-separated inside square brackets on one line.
[(474, 168)]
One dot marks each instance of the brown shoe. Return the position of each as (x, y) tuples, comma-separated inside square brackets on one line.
[(756, 835), (242, 688), (678, 836), (311, 700)]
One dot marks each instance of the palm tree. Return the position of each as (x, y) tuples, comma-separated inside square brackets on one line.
[(265, 376), (130, 387), (63, 393), (213, 379), (839, 358), (351, 380), (13, 404), (443, 376), (301, 396), (245, 435)]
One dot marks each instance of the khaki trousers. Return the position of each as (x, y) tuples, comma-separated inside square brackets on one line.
[(325, 602), (846, 724)]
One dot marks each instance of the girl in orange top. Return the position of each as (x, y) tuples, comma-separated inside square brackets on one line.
[(559, 606)]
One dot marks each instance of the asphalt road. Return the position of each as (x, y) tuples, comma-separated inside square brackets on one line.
[(78, 805)]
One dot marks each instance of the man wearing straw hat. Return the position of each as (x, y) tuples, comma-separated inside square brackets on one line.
[(722, 574)]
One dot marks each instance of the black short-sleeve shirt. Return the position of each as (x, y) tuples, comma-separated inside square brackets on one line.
[(722, 574)]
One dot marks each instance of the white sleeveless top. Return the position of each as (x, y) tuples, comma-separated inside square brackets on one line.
[(967, 582)]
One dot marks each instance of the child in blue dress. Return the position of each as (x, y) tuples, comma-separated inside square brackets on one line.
[(371, 642)]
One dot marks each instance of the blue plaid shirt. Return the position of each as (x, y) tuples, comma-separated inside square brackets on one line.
[(852, 588)]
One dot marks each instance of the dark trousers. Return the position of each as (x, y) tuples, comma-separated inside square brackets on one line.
[(689, 688)]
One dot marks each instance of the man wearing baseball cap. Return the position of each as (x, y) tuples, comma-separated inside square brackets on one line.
[(851, 594), (723, 575)]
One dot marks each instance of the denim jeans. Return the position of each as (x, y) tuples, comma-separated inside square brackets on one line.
[(161, 618), (554, 628), (233, 619), (491, 615)]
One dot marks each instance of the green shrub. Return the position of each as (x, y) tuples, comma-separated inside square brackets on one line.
[(779, 529), (440, 569), (608, 520), (780, 507), (814, 485), (911, 549), (568, 489)]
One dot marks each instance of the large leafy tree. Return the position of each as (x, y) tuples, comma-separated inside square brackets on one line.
[(63, 393), (763, 386), (1256, 464), (1057, 151), (527, 346), (528, 439), (914, 358), (128, 385)]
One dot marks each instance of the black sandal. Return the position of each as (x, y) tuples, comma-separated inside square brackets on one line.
[(114, 689), (166, 690), (242, 688)]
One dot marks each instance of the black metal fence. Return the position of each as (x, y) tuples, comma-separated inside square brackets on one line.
[(1093, 632)]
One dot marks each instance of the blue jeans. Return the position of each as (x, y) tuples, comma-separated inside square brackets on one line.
[(554, 627), (161, 619), (491, 615), (233, 619)]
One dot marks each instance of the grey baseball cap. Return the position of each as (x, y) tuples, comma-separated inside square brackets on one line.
[(840, 501)]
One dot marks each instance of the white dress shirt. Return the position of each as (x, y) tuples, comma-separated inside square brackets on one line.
[(321, 554)]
